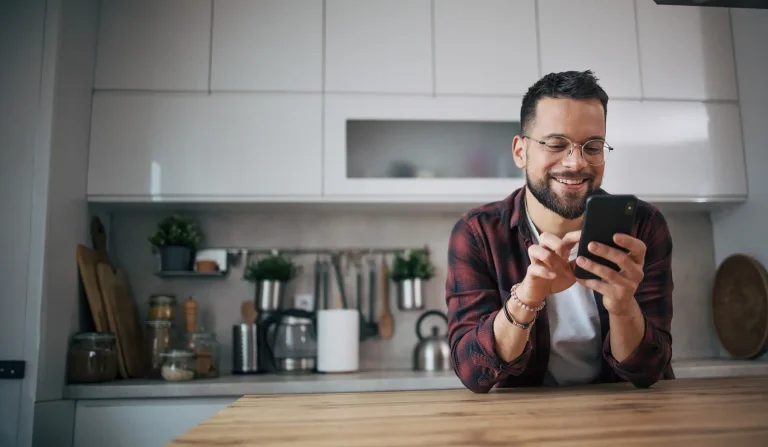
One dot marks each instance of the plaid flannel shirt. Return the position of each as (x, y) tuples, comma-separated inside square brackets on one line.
[(488, 253)]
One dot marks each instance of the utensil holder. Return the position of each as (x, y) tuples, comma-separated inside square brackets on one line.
[(410, 294)]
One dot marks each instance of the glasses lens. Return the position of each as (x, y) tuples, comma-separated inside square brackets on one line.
[(556, 144), (595, 151)]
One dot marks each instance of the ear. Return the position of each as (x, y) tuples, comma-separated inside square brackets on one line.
[(518, 151)]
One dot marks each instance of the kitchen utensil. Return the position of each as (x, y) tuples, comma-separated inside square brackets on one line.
[(245, 359), (269, 295), (99, 240), (190, 315), (317, 283), (87, 260), (325, 274), (276, 343), (410, 294), (106, 280), (248, 312), (373, 328), (386, 323), (338, 340), (740, 306), (335, 260), (432, 353)]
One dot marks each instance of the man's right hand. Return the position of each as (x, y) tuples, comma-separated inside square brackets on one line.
[(550, 271)]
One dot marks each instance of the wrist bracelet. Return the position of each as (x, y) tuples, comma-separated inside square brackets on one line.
[(524, 326), (516, 300)]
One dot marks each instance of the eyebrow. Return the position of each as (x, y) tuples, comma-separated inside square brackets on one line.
[(593, 137)]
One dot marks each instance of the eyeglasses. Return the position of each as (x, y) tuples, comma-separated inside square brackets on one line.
[(594, 152)]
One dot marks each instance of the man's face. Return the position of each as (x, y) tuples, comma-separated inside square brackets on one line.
[(559, 181)]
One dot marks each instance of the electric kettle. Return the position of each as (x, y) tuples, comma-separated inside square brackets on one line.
[(432, 353)]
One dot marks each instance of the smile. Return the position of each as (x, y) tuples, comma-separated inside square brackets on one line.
[(570, 181)]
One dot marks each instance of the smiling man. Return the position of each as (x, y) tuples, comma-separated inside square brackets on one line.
[(517, 314)]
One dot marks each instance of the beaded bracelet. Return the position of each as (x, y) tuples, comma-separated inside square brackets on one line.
[(516, 300)]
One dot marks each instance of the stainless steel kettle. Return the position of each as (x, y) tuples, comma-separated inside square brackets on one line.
[(432, 353)]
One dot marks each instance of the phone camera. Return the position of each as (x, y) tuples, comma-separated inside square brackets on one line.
[(628, 208)]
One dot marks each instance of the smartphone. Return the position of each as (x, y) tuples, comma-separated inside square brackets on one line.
[(605, 216)]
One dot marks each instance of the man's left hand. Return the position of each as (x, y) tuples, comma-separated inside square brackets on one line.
[(618, 288)]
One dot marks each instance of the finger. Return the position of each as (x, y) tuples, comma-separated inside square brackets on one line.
[(554, 243), (635, 246), (598, 286), (539, 254), (540, 271), (572, 238), (606, 273), (614, 255)]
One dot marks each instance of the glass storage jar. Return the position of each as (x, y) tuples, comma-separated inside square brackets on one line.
[(162, 307), (178, 365), (206, 348), (157, 341), (92, 357)]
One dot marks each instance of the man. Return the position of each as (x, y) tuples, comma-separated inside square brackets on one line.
[(519, 253)]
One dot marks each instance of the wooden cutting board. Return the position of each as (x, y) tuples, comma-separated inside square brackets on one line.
[(87, 259), (740, 306)]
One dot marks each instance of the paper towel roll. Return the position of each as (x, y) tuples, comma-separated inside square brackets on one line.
[(338, 340)]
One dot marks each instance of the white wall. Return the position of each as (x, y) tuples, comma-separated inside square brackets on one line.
[(744, 229)]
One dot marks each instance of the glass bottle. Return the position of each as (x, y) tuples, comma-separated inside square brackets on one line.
[(178, 365), (207, 349), (157, 341), (162, 307), (92, 357)]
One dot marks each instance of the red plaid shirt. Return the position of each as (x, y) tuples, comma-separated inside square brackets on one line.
[(488, 253)]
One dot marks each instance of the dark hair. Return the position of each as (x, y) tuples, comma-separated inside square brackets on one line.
[(566, 84)]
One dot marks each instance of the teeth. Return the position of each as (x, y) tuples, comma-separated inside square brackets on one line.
[(569, 181)]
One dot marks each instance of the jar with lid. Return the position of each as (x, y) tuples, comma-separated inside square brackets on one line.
[(92, 357), (178, 365), (206, 348), (162, 307), (157, 341)]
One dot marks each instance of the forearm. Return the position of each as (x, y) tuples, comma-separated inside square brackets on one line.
[(511, 339), (627, 332)]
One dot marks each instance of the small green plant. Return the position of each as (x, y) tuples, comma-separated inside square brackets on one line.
[(176, 231), (274, 267), (415, 265)]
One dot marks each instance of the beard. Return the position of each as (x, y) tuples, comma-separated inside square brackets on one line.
[(570, 205)]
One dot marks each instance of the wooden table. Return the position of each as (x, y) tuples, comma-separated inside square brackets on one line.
[(731, 412)]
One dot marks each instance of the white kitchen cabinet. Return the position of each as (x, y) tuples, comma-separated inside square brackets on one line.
[(378, 46), (141, 422), (669, 150), (267, 45), (686, 52), (154, 45), (478, 52), (152, 146), (599, 35), (406, 148)]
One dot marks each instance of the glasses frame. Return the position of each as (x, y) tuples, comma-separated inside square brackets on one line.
[(571, 146)]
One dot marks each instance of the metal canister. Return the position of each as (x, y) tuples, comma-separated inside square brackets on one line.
[(245, 359)]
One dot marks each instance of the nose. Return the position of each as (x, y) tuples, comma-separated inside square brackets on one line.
[(573, 158)]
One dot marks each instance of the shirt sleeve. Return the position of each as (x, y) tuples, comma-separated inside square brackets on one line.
[(473, 301), (649, 361)]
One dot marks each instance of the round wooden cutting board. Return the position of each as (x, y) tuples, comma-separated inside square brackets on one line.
[(740, 306)]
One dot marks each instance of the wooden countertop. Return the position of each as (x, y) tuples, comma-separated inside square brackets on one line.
[(731, 411)]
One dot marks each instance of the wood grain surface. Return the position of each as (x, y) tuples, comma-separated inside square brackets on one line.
[(731, 412)]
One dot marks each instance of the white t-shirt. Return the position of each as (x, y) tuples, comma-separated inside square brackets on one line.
[(574, 331)]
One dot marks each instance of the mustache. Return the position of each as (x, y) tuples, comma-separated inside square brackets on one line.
[(573, 175)]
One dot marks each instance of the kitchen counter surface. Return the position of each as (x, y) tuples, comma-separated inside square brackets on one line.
[(685, 411), (383, 380)]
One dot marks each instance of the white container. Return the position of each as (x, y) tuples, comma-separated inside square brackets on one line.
[(338, 340)]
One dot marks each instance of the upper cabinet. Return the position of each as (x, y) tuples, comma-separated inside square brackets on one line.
[(599, 35), (148, 146), (378, 46), (485, 47), (154, 45), (267, 45), (686, 52)]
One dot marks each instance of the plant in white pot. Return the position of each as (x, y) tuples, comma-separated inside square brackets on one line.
[(176, 239), (410, 272), (270, 274)]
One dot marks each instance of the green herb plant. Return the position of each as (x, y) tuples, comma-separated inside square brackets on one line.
[(273, 267), (174, 231), (414, 266)]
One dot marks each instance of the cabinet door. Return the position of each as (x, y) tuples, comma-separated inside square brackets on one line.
[(154, 45), (403, 148), (479, 51), (592, 34), (667, 150), (267, 45), (686, 52), (378, 46), (152, 146), (141, 422)]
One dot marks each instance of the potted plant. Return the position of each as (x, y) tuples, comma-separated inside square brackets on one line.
[(270, 274), (410, 272), (177, 239)]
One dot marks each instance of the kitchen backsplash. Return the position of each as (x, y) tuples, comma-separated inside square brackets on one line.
[(310, 227)]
